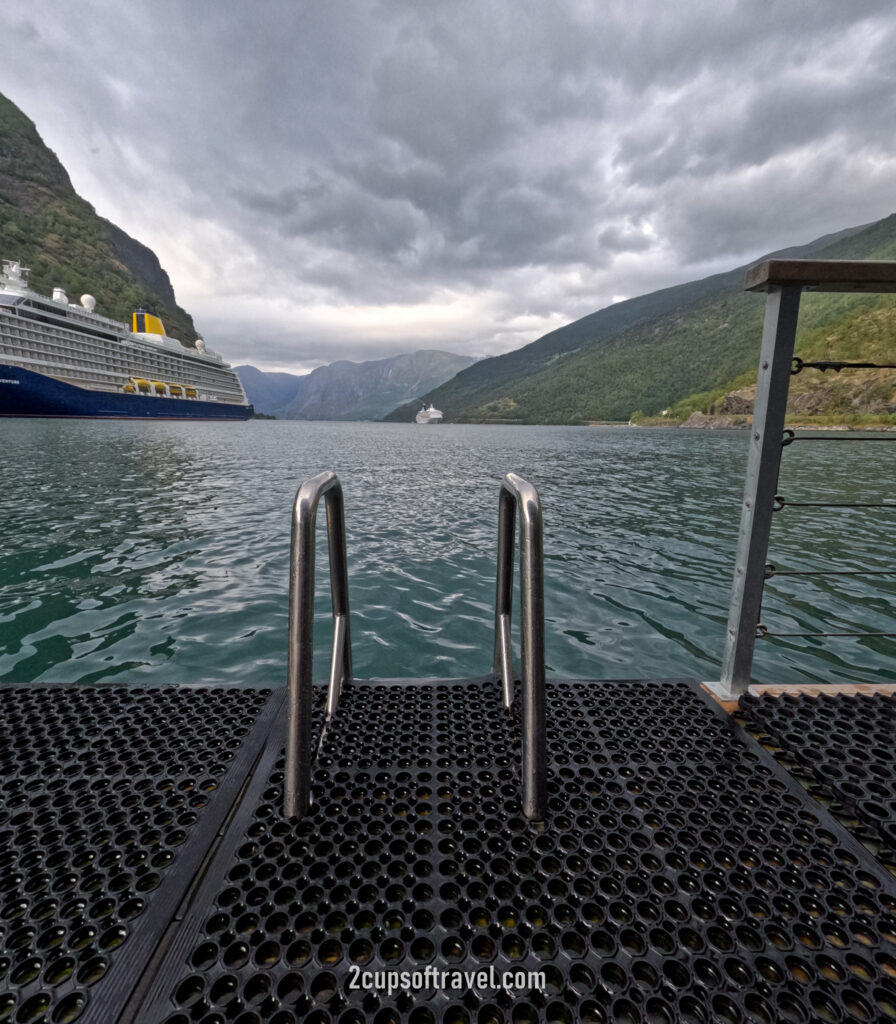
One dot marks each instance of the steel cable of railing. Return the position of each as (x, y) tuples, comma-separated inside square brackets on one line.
[(836, 365), (791, 437), (763, 631), (781, 503), (773, 570)]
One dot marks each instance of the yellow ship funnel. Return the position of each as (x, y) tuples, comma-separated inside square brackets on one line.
[(144, 322)]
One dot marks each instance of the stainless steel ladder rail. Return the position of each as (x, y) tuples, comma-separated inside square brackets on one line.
[(518, 492), (299, 747), (299, 753)]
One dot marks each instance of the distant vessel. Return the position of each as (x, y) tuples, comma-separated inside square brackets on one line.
[(430, 415), (62, 359)]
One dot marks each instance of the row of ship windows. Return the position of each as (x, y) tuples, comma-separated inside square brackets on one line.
[(120, 361), (103, 375), (68, 373), (33, 355), (76, 343), (107, 352), (73, 344), (117, 362), (37, 332)]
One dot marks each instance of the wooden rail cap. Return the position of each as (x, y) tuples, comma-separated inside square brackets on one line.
[(823, 275)]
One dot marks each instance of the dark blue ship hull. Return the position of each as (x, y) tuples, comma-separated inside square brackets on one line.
[(24, 393)]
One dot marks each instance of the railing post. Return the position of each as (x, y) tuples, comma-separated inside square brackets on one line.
[(763, 465), (517, 492), (297, 774)]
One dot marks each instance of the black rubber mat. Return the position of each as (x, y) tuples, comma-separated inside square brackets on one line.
[(682, 876), (110, 798), (844, 748)]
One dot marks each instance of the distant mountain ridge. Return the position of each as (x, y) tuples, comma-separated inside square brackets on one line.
[(650, 352), (267, 391), (48, 227), (346, 390)]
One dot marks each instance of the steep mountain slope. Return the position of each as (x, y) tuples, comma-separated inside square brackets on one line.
[(652, 351), (350, 391), (47, 226), (837, 328)]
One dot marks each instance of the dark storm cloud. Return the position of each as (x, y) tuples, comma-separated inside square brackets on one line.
[(370, 175)]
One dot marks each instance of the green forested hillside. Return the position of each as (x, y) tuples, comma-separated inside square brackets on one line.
[(46, 226), (687, 344), (854, 329)]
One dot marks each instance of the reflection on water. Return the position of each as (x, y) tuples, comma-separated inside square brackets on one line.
[(158, 551)]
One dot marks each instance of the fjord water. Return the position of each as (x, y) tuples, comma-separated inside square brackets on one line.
[(158, 552)]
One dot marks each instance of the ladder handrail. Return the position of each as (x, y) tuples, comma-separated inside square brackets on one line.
[(518, 492), (297, 774)]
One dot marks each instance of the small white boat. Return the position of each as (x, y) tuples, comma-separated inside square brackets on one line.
[(430, 415)]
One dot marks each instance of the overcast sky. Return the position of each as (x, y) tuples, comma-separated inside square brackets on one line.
[(329, 179)]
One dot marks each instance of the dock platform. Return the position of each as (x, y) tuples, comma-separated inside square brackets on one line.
[(682, 874)]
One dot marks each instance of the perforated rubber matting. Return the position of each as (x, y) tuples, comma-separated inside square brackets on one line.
[(682, 875), (110, 798), (844, 749)]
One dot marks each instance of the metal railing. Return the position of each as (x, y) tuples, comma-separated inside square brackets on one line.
[(516, 492), (784, 281), (299, 745)]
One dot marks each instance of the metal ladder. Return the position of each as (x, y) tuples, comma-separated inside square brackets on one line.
[(300, 745)]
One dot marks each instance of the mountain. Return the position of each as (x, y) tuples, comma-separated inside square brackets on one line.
[(267, 391), (350, 391), (648, 353), (48, 227)]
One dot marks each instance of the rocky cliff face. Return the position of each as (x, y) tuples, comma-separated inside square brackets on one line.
[(48, 227), (812, 394)]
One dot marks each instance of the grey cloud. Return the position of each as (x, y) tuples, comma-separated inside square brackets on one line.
[(794, 101), (624, 238), (729, 217), (393, 152), (23, 32), (279, 204)]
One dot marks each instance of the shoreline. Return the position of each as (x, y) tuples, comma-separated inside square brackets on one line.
[(703, 421)]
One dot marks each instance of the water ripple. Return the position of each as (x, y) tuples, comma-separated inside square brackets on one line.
[(159, 552)]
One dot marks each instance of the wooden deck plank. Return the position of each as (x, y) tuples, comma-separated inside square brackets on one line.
[(814, 690), (824, 275), (827, 689)]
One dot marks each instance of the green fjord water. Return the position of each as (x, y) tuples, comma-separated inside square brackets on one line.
[(158, 552)]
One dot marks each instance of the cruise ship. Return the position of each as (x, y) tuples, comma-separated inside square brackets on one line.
[(59, 358), (430, 415)]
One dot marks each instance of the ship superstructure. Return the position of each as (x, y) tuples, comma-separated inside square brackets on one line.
[(64, 359), (430, 415)]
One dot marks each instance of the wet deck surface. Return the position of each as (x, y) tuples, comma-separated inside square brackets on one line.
[(683, 874), (840, 746)]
